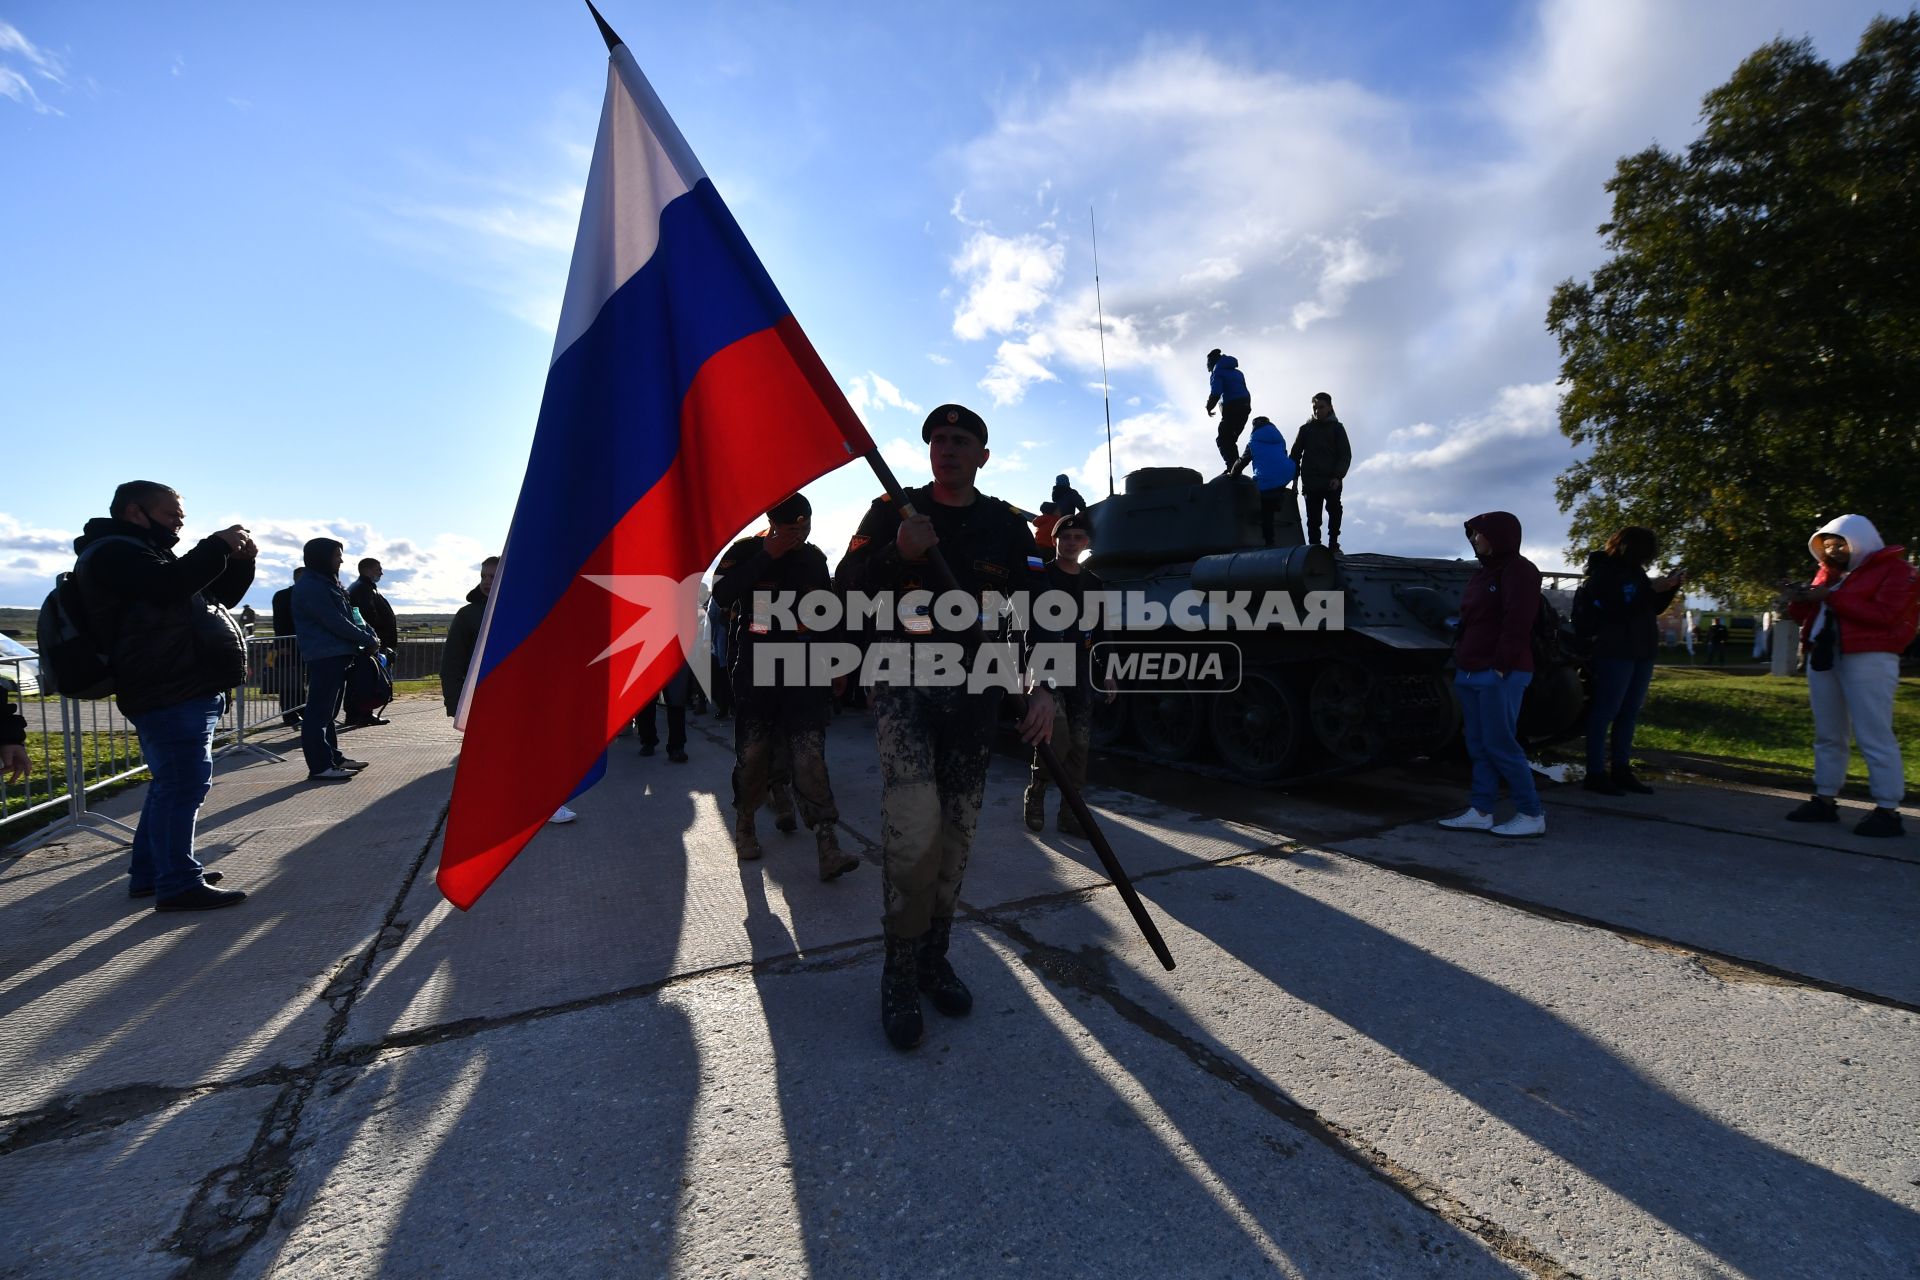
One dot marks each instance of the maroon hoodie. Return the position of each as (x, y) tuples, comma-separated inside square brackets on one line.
[(1497, 611)]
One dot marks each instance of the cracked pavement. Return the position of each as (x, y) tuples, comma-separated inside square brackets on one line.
[(1675, 1038)]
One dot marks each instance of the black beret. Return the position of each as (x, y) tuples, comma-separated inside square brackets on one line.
[(787, 510), (1078, 520), (953, 415)]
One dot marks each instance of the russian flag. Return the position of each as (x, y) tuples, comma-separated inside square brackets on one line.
[(682, 401)]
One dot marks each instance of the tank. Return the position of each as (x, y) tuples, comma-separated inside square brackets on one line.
[(1380, 688)]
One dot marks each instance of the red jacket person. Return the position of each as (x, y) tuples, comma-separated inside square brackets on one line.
[(1858, 613)]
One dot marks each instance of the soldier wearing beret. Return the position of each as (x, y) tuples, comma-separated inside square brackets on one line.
[(774, 723), (934, 739), (1073, 725)]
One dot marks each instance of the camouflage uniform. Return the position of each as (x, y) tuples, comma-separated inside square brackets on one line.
[(779, 724), (934, 742)]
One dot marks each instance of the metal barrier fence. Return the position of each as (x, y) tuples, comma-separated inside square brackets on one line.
[(77, 747)]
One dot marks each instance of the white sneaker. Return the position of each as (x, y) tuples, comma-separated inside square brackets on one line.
[(1522, 824), (563, 815), (1471, 820)]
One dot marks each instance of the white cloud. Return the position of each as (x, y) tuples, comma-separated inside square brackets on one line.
[(39, 63), (1006, 278), (508, 237), (1016, 365), (1346, 264), (433, 576), (937, 358), (1522, 413), (1160, 437), (1212, 271), (874, 393), (1331, 237), (908, 458), (14, 85)]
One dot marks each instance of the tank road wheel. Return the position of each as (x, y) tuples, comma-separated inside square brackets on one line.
[(1171, 725), (1352, 712), (1258, 729), (1109, 720)]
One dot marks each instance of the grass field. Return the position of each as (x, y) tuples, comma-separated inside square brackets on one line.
[(1706, 711)]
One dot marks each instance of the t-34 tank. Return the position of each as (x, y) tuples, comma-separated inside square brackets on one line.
[(1380, 687)]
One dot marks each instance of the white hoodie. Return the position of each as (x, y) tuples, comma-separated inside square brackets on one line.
[(1862, 538), (1862, 541)]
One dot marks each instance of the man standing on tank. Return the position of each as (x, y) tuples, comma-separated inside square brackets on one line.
[(934, 738), (1227, 387), (1321, 449)]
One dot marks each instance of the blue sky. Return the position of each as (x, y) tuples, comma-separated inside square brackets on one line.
[(304, 264)]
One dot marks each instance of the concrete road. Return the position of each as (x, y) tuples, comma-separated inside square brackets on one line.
[(1678, 1037)]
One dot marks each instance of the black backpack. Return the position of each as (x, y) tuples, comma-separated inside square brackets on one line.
[(1586, 612), (1554, 644), (73, 662)]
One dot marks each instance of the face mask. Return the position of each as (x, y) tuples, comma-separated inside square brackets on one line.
[(161, 536)]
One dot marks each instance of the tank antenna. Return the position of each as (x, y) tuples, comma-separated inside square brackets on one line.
[(1106, 396)]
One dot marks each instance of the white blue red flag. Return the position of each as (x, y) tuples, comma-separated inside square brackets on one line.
[(683, 401)]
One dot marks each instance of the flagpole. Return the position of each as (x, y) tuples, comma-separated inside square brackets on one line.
[(944, 573), (606, 32)]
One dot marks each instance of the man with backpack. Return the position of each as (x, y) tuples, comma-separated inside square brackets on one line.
[(160, 621)]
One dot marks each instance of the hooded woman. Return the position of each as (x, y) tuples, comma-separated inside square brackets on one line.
[(1861, 609), (329, 640), (1619, 608), (1493, 665)]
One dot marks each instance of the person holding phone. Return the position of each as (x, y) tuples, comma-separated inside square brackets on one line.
[(1861, 609)]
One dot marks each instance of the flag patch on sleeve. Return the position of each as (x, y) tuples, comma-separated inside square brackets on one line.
[(1036, 564)]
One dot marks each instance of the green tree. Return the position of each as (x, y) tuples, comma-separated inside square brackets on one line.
[(1746, 366)]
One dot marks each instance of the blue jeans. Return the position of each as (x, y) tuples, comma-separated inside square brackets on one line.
[(1490, 708), (326, 689), (177, 743), (1619, 689)]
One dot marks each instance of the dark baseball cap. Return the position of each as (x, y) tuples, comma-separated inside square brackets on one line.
[(953, 415)]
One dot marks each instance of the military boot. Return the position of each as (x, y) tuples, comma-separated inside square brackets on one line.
[(1067, 824), (784, 819), (1036, 808), (834, 861), (746, 842), (935, 976), (899, 998)]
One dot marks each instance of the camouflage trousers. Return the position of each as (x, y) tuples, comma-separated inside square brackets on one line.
[(933, 770), (1072, 739), (769, 751)]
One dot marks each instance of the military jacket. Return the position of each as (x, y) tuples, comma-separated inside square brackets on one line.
[(746, 570), (986, 543)]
